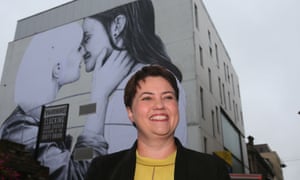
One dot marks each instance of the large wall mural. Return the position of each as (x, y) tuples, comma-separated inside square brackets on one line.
[(86, 64)]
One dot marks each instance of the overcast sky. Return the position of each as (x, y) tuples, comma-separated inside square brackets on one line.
[(13, 10), (262, 38)]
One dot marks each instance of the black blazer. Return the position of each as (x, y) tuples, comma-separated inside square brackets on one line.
[(189, 165)]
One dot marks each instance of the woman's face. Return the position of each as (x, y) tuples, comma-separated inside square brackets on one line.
[(154, 109), (95, 38), (70, 67)]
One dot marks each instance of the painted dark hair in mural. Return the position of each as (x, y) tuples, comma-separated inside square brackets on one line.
[(139, 35)]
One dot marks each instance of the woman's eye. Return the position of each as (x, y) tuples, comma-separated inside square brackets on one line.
[(86, 38), (146, 98), (169, 97)]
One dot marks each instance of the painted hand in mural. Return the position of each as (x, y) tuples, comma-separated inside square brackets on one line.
[(107, 76)]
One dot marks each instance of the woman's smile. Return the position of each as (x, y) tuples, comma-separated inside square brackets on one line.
[(159, 117)]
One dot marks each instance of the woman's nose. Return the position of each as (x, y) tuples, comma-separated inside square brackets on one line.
[(159, 104)]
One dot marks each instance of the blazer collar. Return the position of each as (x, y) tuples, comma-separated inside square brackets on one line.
[(127, 164)]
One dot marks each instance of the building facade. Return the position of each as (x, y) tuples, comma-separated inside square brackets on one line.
[(264, 161), (273, 158), (213, 120)]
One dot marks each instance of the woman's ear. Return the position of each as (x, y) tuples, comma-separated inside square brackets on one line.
[(130, 114), (116, 29), (56, 71)]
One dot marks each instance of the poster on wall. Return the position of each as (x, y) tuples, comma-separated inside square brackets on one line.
[(86, 64), (53, 123)]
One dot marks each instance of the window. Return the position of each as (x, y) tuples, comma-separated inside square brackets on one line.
[(232, 142), (210, 51), (205, 144), (202, 102), (237, 111), (213, 122), (87, 109), (209, 80), (196, 16), (228, 78), (234, 110), (231, 137), (209, 36), (201, 56), (217, 119), (242, 119), (217, 55), (223, 89), (225, 72), (232, 84), (220, 90), (229, 100)]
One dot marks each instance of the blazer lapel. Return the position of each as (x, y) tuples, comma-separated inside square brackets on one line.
[(181, 165), (126, 166)]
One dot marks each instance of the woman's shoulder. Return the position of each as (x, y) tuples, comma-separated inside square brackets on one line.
[(196, 156), (111, 158), (109, 164), (207, 166)]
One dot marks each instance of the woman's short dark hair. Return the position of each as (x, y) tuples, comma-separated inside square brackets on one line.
[(141, 75)]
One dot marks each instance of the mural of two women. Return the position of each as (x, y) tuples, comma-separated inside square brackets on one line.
[(113, 45)]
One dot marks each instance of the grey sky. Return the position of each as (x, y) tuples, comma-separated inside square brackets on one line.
[(263, 41), (13, 10)]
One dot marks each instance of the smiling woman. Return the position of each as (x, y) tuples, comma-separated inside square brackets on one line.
[(151, 100), (154, 108)]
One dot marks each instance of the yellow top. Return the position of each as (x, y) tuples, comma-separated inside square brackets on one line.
[(154, 169)]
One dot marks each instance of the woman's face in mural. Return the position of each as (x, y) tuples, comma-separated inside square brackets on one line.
[(95, 39), (70, 67), (67, 55)]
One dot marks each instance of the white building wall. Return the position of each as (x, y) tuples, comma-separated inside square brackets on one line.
[(176, 26), (63, 14)]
